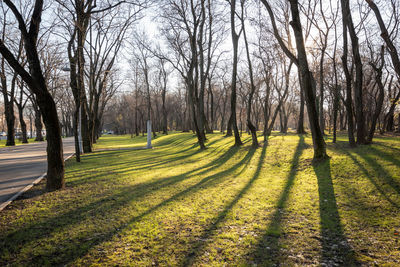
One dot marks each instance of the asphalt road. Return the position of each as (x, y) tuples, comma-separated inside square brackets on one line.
[(23, 164)]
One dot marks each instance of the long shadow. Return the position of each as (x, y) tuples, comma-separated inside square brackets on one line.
[(268, 247), (101, 154), (181, 142), (378, 167), (106, 206), (166, 158), (335, 247), (371, 178), (174, 179), (208, 181), (396, 149), (196, 248)]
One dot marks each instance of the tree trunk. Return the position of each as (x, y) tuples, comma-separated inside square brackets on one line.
[(23, 124), (300, 124), (55, 158), (37, 84), (38, 124), (389, 118), (8, 106), (235, 42), (349, 102), (307, 81), (10, 120), (358, 94), (381, 96), (250, 125), (164, 112)]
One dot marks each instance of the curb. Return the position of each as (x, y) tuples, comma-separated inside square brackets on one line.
[(26, 188)]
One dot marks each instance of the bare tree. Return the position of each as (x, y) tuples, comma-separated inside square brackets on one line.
[(358, 95), (232, 123), (394, 55), (36, 82), (306, 79)]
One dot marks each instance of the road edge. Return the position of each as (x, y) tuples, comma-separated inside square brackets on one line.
[(29, 186)]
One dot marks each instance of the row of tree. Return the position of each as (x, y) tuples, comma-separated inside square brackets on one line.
[(212, 64)]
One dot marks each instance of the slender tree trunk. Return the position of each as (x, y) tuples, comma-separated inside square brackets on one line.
[(358, 95), (336, 93), (164, 111), (235, 42), (349, 101), (250, 125), (307, 80), (300, 123), (381, 96), (8, 107), (321, 90)]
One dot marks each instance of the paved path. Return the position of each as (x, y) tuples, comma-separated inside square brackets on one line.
[(23, 164)]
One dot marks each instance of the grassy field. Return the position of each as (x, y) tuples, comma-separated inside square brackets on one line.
[(177, 206), (17, 142)]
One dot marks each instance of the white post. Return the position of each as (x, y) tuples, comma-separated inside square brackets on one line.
[(148, 134), (80, 131)]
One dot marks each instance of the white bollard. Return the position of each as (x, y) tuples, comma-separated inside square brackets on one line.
[(80, 143), (149, 134)]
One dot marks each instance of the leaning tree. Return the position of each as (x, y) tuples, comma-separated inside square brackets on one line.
[(36, 82)]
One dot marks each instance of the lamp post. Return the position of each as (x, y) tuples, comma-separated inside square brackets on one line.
[(79, 149)]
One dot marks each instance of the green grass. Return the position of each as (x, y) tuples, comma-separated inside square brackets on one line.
[(177, 206), (122, 141), (17, 142)]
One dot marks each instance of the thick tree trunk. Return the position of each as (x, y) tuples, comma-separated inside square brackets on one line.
[(38, 124), (55, 158), (23, 124), (37, 84), (10, 120)]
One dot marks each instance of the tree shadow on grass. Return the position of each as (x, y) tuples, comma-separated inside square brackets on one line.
[(66, 251), (394, 148), (163, 181), (268, 247), (335, 247), (372, 179), (378, 169), (169, 142), (198, 246), (129, 166)]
